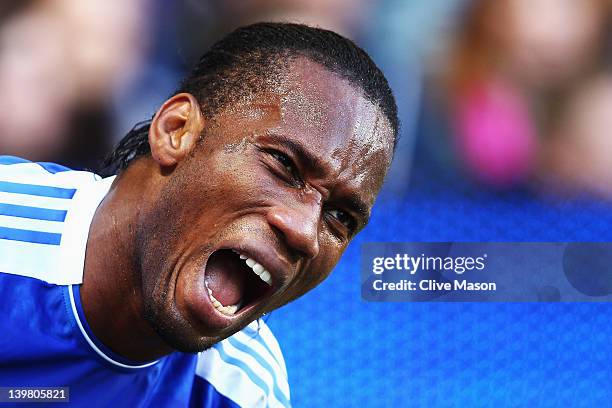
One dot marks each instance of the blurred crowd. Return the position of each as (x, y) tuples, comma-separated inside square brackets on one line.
[(527, 89), (519, 92), (60, 64)]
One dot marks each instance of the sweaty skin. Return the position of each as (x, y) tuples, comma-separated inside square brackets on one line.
[(288, 176)]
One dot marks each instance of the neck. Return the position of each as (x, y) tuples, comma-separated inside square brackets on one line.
[(111, 293)]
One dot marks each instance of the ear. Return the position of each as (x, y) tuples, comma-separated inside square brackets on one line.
[(175, 129)]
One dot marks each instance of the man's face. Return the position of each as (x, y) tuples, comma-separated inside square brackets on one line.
[(263, 208)]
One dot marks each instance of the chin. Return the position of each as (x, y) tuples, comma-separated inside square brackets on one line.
[(176, 332)]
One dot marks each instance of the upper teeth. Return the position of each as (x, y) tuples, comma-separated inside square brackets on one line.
[(259, 270)]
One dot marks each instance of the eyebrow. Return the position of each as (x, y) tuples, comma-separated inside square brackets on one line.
[(313, 163)]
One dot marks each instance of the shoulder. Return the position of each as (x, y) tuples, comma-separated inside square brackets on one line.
[(45, 211), (248, 368), (44, 186)]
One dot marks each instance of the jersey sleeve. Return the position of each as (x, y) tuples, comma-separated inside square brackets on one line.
[(244, 370)]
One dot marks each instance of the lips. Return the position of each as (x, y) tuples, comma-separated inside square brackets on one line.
[(234, 281)]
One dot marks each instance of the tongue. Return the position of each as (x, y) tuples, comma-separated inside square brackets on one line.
[(225, 275)]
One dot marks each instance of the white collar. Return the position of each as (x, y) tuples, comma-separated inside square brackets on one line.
[(76, 230)]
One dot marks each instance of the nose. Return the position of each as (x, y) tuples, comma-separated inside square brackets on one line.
[(299, 226)]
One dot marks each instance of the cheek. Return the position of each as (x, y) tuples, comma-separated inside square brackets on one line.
[(158, 237), (226, 173), (318, 270), (213, 193), (240, 180), (210, 187)]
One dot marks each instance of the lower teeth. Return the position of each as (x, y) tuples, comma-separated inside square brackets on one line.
[(227, 310)]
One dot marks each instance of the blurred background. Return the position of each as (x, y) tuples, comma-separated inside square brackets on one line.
[(506, 111)]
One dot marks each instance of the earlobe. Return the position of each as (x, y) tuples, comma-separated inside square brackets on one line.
[(175, 129)]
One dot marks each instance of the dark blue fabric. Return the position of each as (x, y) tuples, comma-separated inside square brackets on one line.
[(35, 213), (50, 167), (53, 167), (12, 160), (31, 189), (36, 237), (204, 394), (41, 345)]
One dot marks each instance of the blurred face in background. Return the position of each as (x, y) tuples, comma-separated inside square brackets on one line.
[(35, 85), (59, 56), (107, 42), (546, 42), (581, 154), (343, 16)]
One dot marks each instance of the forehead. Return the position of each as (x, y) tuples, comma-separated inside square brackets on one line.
[(350, 137), (334, 116)]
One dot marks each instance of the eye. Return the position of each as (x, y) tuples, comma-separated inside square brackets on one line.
[(284, 160), (288, 169), (343, 218)]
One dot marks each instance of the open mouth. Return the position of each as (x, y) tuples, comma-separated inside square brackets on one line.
[(234, 281)]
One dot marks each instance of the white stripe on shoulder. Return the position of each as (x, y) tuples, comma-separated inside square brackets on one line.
[(259, 337), (270, 340), (50, 203), (255, 353), (273, 379), (31, 224), (229, 379), (27, 259)]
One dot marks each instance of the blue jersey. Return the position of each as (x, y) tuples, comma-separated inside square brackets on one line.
[(45, 341)]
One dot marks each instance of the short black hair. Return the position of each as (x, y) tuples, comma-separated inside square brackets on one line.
[(242, 62)]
